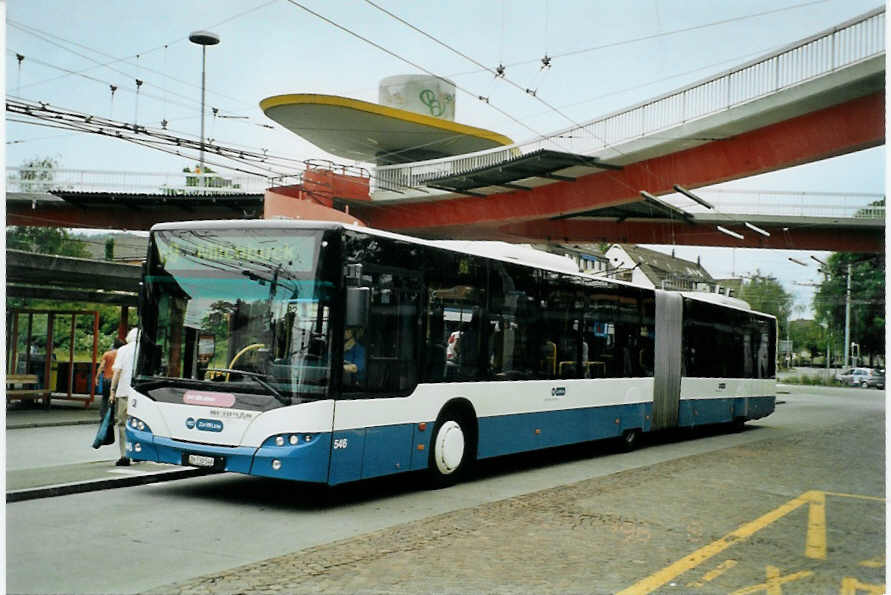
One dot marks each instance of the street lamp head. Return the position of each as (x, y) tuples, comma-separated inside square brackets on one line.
[(204, 38)]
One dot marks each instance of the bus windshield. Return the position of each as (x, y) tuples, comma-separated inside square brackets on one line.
[(242, 311)]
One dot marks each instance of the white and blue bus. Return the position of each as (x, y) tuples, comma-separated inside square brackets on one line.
[(329, 353)]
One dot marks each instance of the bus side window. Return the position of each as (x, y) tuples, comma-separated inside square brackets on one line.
[(389, 342), (455, 347), (435, 342), (515, 315), (391, 335)]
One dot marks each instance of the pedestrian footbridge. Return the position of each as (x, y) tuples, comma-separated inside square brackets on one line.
[(611, 179), (820, 97)]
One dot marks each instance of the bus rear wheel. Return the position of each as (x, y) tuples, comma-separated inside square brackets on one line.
[(450, 451)]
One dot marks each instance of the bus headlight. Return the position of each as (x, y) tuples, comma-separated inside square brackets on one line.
[(276, 464), (138, 424), (279, 440), (293, 439)]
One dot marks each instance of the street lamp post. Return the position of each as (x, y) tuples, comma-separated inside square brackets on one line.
[(204, 39), (848, 318), (825, 271)]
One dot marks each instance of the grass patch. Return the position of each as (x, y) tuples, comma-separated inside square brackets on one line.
[(811, 380)]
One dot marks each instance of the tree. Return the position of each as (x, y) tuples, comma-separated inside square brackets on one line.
[(867, 300), (765, 293), (45, 240), (807, 335)]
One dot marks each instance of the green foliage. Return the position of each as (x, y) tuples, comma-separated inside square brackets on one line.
[(109, 317), (807, 335), (809, 380), (45, 240), (867, 300), (765, 293)]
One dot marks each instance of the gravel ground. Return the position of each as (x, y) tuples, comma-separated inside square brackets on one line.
[(605, 534)]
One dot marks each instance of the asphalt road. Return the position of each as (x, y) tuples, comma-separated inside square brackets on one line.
[(158, 536)]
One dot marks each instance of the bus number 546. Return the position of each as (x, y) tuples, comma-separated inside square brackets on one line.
[(340, 443)]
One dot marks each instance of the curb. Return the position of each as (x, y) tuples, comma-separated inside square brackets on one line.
[(66, 489)]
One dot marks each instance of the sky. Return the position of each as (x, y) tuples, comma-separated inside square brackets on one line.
[(622, 53)]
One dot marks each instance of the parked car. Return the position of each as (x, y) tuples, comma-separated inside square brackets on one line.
[(862, 377), (877, 380)]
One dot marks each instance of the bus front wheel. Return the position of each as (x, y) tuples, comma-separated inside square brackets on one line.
[(450, 451)]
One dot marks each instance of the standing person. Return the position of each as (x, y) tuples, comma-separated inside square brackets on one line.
[(105, 373), (120, 390)]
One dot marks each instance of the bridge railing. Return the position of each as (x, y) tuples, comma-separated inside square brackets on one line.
[(43, 180), (847, 44), (789, 204)]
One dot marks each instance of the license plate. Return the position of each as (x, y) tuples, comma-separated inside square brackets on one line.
[(201, 461)]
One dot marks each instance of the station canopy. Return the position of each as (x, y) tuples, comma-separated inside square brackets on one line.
[(363, 131)]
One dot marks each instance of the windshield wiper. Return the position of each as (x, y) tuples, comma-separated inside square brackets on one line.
[(147, 385), (256, 377)]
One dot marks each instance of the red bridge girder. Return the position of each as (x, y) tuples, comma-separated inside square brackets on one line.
[(527, 215)]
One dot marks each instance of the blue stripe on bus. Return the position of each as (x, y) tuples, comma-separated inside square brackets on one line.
[(371, 452), (303, 462), (501, 435), (306, 461)]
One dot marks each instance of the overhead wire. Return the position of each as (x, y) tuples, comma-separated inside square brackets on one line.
[(416, 65), (85, 57), (518, 86), (163, 99), (619, 179), (383, 49), (579, 51), (190, 106), (474, 61), (246, 147), (160, 139), (106, 127), (146, 52), (500, 73)]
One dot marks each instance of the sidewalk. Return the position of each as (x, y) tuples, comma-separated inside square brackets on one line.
[(30, 426), (61, 413)]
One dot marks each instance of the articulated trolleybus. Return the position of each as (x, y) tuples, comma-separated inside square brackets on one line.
[(329, 353)]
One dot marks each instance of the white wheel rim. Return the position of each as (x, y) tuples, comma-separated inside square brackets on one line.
[(449, 447)]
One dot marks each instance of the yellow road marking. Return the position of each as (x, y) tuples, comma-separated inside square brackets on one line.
[(713, 574), (659, 578), (815, 545), (877, 562), (851, 586), (774, 582)]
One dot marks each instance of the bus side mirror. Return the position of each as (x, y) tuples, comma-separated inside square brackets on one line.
[(140, 296), (358, 304)]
